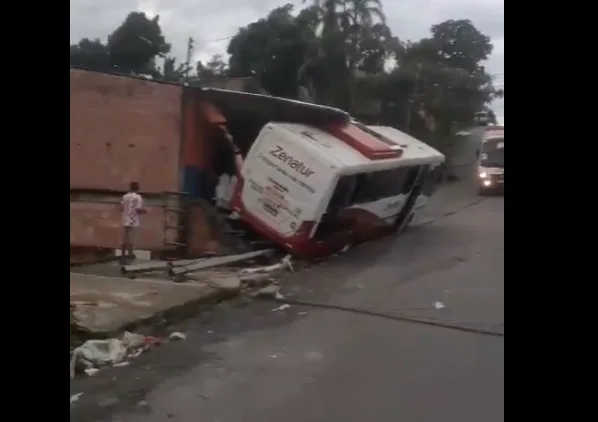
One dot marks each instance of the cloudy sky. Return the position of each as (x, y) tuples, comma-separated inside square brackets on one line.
[(210, 23)]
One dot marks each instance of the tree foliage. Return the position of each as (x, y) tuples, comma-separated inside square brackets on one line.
[(336, 52)]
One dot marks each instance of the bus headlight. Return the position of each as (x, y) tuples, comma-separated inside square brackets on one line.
[(483, 175), (487, 183)]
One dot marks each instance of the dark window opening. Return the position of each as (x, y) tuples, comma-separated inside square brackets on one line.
[(381, 184), (341, 199), (362, 188), (430, 180)]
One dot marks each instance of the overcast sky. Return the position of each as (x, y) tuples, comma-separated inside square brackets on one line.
[(208, 22)]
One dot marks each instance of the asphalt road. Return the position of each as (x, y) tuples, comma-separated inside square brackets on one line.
[(247, 363)]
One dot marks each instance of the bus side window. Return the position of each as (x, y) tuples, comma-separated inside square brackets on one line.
[(380, 184), (362, 191), (342, 195)]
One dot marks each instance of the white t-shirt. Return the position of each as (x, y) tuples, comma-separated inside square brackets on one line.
[(131, 204)]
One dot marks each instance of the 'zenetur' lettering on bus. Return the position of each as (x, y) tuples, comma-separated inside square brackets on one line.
[(290, 161)]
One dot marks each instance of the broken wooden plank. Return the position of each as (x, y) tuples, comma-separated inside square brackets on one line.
[(219, 260)]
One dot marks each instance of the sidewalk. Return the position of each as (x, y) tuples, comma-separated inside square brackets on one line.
[(106, 306)]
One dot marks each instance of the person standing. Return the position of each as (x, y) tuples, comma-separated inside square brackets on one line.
[(131, 208)]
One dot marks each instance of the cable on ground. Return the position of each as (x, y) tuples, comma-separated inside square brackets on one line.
[(393, 316)]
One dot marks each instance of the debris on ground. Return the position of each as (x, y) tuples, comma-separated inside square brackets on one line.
[(438, 305), (285, 263), (92, 355), (75, 397), (218, 261), (91, 371), (281, 307), (269, 291), (177, 336), (253, 280)]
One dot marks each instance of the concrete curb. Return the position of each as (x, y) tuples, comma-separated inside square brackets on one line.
[(176, 313)]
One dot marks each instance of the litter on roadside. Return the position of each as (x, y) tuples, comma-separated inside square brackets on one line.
[(177, 336), (438, 305), (281, 307), (94, 354), (75, 397), (91, 371)]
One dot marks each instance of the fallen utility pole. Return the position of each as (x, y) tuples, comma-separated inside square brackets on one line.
[(218, 261)]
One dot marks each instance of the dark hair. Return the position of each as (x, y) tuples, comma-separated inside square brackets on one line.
[(134, 187)]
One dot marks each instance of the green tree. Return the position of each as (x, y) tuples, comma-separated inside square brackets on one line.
[(91, 54), (216, 67), (273, 49), (354, 37), (173, 72), (136, 44), (445, 81)]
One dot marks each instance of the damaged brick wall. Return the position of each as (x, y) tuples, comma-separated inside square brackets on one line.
[(99, 225), (124, 129), (200, 237)]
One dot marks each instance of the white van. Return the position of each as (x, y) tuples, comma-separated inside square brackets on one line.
[(491, 163)]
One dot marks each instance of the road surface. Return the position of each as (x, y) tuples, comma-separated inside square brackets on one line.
[(246, 362)]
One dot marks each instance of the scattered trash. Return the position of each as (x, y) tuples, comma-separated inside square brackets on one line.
[(302, 313), (278, 296), (282, 307), (91, 371), (151, 341), (132, 340), (345, 249), (438, 305), (93, 354), (136, 353), (75, 397), (256, 280), (121, 364), (269, 291), (177, 336)]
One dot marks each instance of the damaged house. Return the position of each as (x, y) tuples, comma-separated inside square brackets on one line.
[(224, 171)]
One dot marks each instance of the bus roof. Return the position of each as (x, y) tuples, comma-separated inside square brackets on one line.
[(412, 147), (337, 154)]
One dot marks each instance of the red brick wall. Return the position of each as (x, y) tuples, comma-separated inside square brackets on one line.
[(99, 225), (124, 129), (200, 239)]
